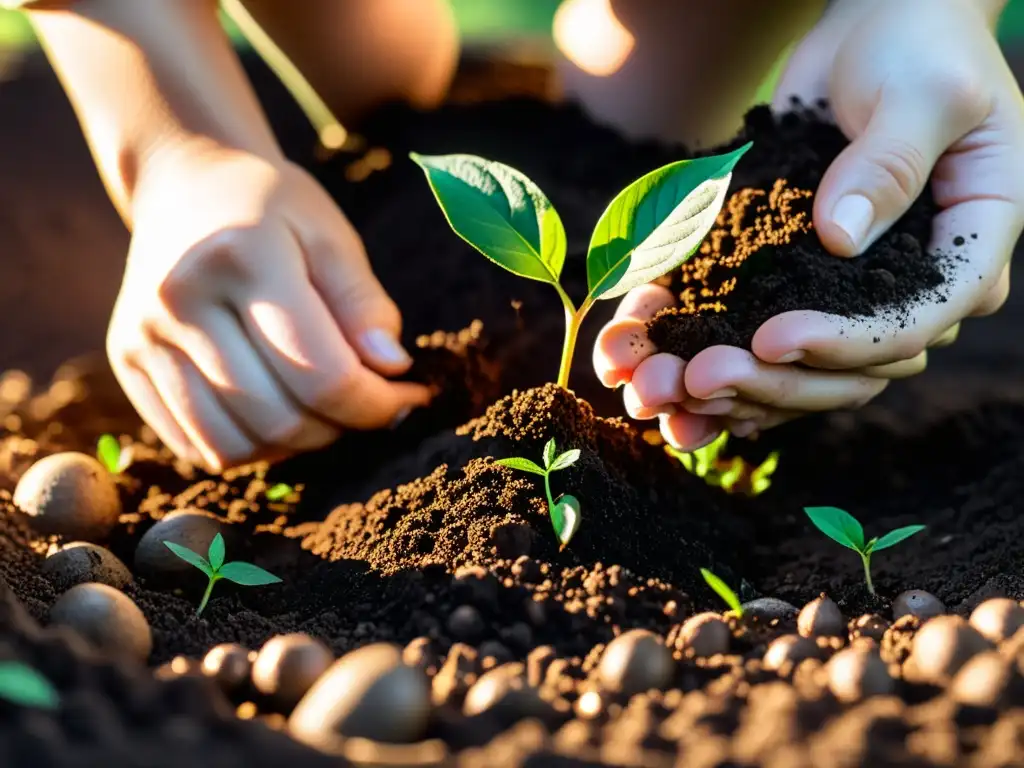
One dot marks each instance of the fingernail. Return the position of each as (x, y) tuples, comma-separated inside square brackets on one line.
[(727, 392), (384, 346), (791, 357), (854, 214), (401, 416)]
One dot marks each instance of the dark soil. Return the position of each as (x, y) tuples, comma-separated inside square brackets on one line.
[(414, 536)]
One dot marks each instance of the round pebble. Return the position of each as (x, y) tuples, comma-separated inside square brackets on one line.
[(705, 634), (229, 665), (191, 529), (287, 666), (503, 691), (821, 618), (769, 608), (635, 661), (367, 693), (107, 618), (917, 602), (466, 624), (71, 495), (987, 680), (789, 649), (857, 673), (80, 562), (998, 619), (942, 646)]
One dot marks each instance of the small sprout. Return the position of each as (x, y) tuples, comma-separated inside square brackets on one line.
[(723, 591), (565, 510), (650, 228), (22, 685), (112, 456), (731, 475), (844, 528), (279, 492), (213, 565)]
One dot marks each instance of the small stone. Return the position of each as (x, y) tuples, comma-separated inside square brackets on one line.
[(466, 624), (229, 665), (71, 495), (191, 529), (287, 666), (107, 618), (635, 661), (998, 619), (80, 562), (769, 608), (988, 680), (857, 673), (789, 650), (870, 625), (821, 618), (504, 692), (368, 693), (942, 646), (917, 602), (705, 634)]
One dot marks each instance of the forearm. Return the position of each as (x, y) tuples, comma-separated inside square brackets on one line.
[(144, 77)]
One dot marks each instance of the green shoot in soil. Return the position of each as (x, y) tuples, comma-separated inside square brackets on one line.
[(22, 685), (650, 228), (213, 565), (279, 492), (723, 591), (112, 456), (565, 510), (844, 528), (731, 475)]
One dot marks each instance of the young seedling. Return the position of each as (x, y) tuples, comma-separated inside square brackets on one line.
[(279, 492), (213, 565), (844, 528), (565, 510), (22, 685), (112, 456), (649, 228), (730, 475), (723, 591)]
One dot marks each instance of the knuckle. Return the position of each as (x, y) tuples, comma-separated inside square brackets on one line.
[(325, 395), (904, 170)]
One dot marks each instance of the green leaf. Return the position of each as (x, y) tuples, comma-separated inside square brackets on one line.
[(723, 591), (566, 460), (549, 453), (838, 525), (500, 212), (190, 557), (893, 538), (566, 517), (108, 451), (278, 492), (247, 574), (215, 554), (22, 685), (523, 465), (657, 222)]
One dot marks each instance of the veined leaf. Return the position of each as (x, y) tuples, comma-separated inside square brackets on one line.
[(657, 222), (190, 557), (723, 591), (565, 516), (247, 574), (566, 460), (215, 554), (500, 212), (549, 453), (838, 525), (893, 538), (22, 685), (523, 465)]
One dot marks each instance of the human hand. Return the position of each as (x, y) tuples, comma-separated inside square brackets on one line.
[(922, 89), (250, 324)]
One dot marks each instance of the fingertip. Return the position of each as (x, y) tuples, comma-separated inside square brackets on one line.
[(382, 351), (688, 432), (659, 380), (715, 371), (644, 302), (620, 347)]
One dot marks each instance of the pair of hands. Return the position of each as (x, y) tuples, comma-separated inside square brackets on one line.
[(250, 324)]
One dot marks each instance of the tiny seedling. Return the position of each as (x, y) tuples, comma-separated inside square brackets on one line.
[(213, 565), (22, 685), (844, 528), (730, 475), (650, 228), (279, 492), (112, 456), (723, 591), (565, 510)]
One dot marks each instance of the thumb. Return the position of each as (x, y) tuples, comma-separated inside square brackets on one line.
[(883, 170)]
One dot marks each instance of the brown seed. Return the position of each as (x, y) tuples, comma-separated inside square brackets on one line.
[(987, 680), (998, 619), (821, 617), (942, 646), (368, 693), (71, 495), (917, 602), (80, 562), (107, 618), (857, 673), (229, 665), (503, 691), (191, 529), (870, 625), (769, 608), (706, 634), (635, 661), (288, 665), (789, 649)]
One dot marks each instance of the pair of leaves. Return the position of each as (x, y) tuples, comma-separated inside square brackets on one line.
[(112, 456), (24, 686), (723, 591), (649, 228), (552, 462), (213, 565), (844, 528)]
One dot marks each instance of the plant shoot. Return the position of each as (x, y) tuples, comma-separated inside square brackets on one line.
[(731, 475), (22, 685), (112, 456), (565, 510), (723, 591), (844, 528), (279, 492), (650, 228), (213, 565)]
